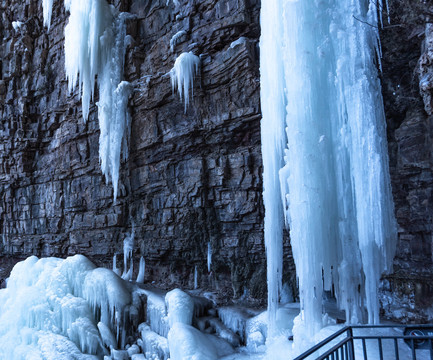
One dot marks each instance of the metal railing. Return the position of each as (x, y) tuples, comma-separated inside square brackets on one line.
[(415, 337)]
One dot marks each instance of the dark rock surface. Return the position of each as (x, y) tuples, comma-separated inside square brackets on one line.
[(191, 178), (407, 83)]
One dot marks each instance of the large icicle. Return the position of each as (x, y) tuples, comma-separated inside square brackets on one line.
[(335, 184), (273, 143), (47, 8), (95, 46)]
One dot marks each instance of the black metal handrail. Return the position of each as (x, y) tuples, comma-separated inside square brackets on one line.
[(345, 348)]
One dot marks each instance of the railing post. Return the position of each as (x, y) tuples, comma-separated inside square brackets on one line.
[(351, 345)]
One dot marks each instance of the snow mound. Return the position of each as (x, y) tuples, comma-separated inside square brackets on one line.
[(188, 343)]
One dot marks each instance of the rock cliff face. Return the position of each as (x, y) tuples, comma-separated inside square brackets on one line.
[(407, 89), (191, 178)]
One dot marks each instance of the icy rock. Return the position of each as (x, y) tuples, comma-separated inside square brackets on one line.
[(186, 343), (236, 319), (224, 333), (107, 336), (138, 357), (176, 38), (185, 68), (180, 307), (157, 314), (132, 350), (240, 41), (17, 25), (152, 344), (119, 354)]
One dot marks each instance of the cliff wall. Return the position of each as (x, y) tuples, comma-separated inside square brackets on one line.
[(193, 177)]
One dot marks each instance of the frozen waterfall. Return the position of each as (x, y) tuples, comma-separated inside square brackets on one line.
[(95, 47), (320, 82)]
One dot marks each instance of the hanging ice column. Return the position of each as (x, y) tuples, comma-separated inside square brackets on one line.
[(335, 184), (273, 143), (95, 47)]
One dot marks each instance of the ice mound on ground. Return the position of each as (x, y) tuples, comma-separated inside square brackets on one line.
[(51, 309), (152, 344), (188, 343)]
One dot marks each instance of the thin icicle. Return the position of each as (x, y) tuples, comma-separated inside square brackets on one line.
[(141, 270)]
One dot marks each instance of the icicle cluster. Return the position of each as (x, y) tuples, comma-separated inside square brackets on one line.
[(319, 80), (95, 47), (182, 75)]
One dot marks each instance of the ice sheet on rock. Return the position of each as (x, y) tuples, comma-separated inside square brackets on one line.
[(152, 344), (186, 343), (185, 68)]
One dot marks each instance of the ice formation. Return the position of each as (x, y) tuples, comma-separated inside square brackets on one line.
[(17, 25), (180, 307), (141, 270), (128, 247), (182, 75), (51, 309), (47, 7), (209, 257), (273, 143), (188, 343), (95, 47), (195, 277), (175, 39), (319, 82)]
